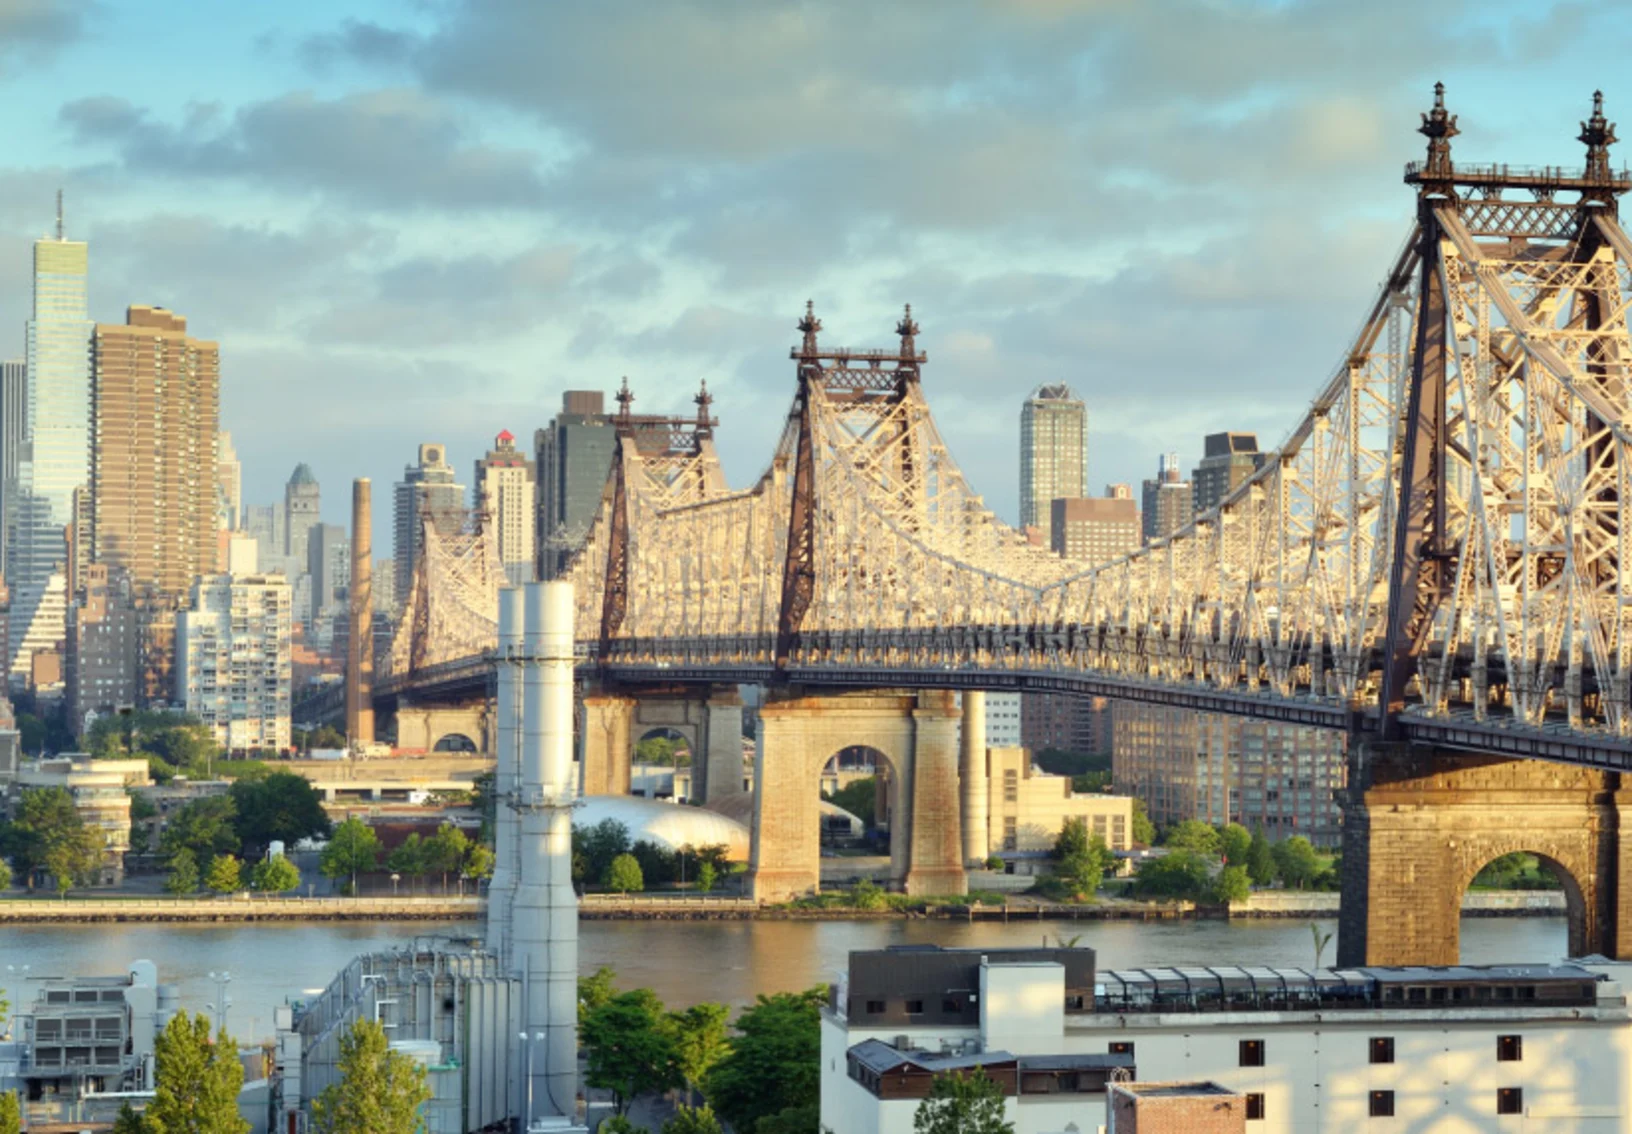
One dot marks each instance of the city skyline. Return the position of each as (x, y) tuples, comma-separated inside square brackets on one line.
[(342, 274)]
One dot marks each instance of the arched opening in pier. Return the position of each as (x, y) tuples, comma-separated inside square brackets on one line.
[(1541, 904), (856, 784), (455, 742), (663, 747)]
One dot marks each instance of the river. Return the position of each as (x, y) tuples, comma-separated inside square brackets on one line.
[(685, 962)]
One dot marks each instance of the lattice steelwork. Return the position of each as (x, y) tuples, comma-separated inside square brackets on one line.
[(1441, 535), (453, 606)]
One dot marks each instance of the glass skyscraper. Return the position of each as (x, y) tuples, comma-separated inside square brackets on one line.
[(54, 463), (1053, 454)]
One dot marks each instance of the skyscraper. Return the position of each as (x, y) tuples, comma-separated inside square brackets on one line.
[(574, 453), (426, 491), (1053, 453), (1094, 529), (54, 464), (328, 562), (230, 484), (1166, 504), (13, 430), (505, 490), (264, 524), (233, 660), (1227, 460), (302, 508)]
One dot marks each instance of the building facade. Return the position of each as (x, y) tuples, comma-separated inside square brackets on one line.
[(506, 494), (1459, 1048), (1227, 460), (101, 794), (1002, 720), (229, 485), (328, 566), (1027, 808), (233, 662), (1066, 722), (13, 431), (1094, 530), (573, 455), (302, 510), (1282, 778), (54, 464), (1167, 502), (427, 491), (104, 647), (1053, 454)]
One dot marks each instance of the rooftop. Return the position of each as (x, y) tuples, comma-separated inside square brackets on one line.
[(1176, 1090)]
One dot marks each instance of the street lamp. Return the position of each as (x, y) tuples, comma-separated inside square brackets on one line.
[(222, 1000), (394, 877), (529, 1040)]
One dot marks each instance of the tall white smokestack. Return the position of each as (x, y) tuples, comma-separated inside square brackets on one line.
[(507, 734), (544, 917)]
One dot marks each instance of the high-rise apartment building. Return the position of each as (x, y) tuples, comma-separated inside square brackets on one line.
[(328, 564), (505, 493), (1222, 769), (1065, 722), (1002, 720), (385, 586), (1094, 529), (264, 524), (426, 492), (54, 464), (13, 431), (155, 414), (229, 485), (1227, 460), (1166, 506), (302, 508), (104, 646), (1053, 454), (233, 659), (574, 453)]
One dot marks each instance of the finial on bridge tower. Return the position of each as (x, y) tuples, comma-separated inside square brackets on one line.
[(625, 400), (809, 325), (1439, 127), (703, 399), (1597, 134), (908, 330)]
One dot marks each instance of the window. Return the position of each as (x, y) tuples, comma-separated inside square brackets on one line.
[(875, 1007), (1252, 1053), (1122, 1048), (1255, 1108), (1382, 1049), (1382, 1104), (950, 1007), (1510, 1100), (1509, 1049), (915, 1007)]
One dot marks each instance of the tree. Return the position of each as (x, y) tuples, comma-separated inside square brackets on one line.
[(699, 1041), (380, 1091), (478, 863), (595, 990), (1177, 874), (1144, 831), (408, 859), (282, 807), (197, 1080), (806, 1119), (275, 875), (706, 876), (624, 876), (47, 834), (1260, 859), (599, 845), (962, 1104), (775, 1062), (1296, 862), (1193, 835), (693, 1120), (325, 736), (658, 864), (1072, 840), (206, 827), (128, 1121), (618, 1124), (1233, 884), (1322, 938), (225, 875), (354, 846), (1234, 842), (445, 852), (1081, 871), (11, 1113), (183, 876), (5, 875), (859, 797), (629, 1050)]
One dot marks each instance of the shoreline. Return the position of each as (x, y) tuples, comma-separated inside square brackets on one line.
[(248, 909)]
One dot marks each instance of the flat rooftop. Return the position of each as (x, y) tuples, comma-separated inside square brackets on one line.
[(1175, 1090)]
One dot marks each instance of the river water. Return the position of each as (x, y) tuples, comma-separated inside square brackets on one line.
[(685, 962)]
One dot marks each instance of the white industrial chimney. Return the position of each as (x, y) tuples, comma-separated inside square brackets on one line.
[(501, 889), (544, 913)]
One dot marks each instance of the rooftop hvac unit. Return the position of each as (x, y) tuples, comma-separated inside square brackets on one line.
[(903, 1043)]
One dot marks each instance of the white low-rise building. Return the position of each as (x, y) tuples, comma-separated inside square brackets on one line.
[(1453, 1049)]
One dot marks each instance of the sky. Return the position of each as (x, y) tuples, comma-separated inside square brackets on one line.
[(424, 220)]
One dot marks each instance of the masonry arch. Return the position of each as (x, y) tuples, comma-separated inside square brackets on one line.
[(456, 742), (1527, 873), (681, 742), (863, 780)]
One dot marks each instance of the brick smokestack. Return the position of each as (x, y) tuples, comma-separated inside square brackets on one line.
[(360, 647)]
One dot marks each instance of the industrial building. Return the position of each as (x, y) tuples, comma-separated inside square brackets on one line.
[(1465, 1048)]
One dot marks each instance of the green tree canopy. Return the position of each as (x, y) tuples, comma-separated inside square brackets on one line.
[(380, 1091), (5, 875), (1144, 831), (707, 876), (699, 1041), (225, 874), (595, 990), (47, 833), (1072, 839), (1260, 859), (11, 1113), (629, 1049), (598, 846), (1193, 835), (197, 1080), (1081, 871), (962, 1104), (693, 1120), (1233, 884), (1234, 843), (1177, 874), (206, 827), (1297, 863), (445, 852), (275, 875), (859, 797), (408, 859), (128, 1121), (624, 876), (775, 1062), (803, 1119), (183, 876), (353, 847), (282, 807), (479, 862)]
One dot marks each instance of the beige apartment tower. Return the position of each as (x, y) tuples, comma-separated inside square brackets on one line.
[(1053, 454)]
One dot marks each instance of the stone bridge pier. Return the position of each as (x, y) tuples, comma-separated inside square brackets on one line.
[(1419, 823), (708, 719), (424, 726), (918, 737)]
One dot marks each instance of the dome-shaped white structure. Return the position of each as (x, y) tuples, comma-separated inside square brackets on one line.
[(670, 825)]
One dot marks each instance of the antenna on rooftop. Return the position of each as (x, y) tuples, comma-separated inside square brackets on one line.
[(59, 214)]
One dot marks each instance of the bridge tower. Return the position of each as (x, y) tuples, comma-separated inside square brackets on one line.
[(1420, 821)]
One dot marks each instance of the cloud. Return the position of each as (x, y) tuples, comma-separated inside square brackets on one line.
[(33, 29), (395, 148)]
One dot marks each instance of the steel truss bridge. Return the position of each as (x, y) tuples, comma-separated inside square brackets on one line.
[(1433, 553)]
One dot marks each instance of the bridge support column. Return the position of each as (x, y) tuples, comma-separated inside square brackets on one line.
[(974, 783), (603, 755), (917, 734), (1420, 823), (717, 770)]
